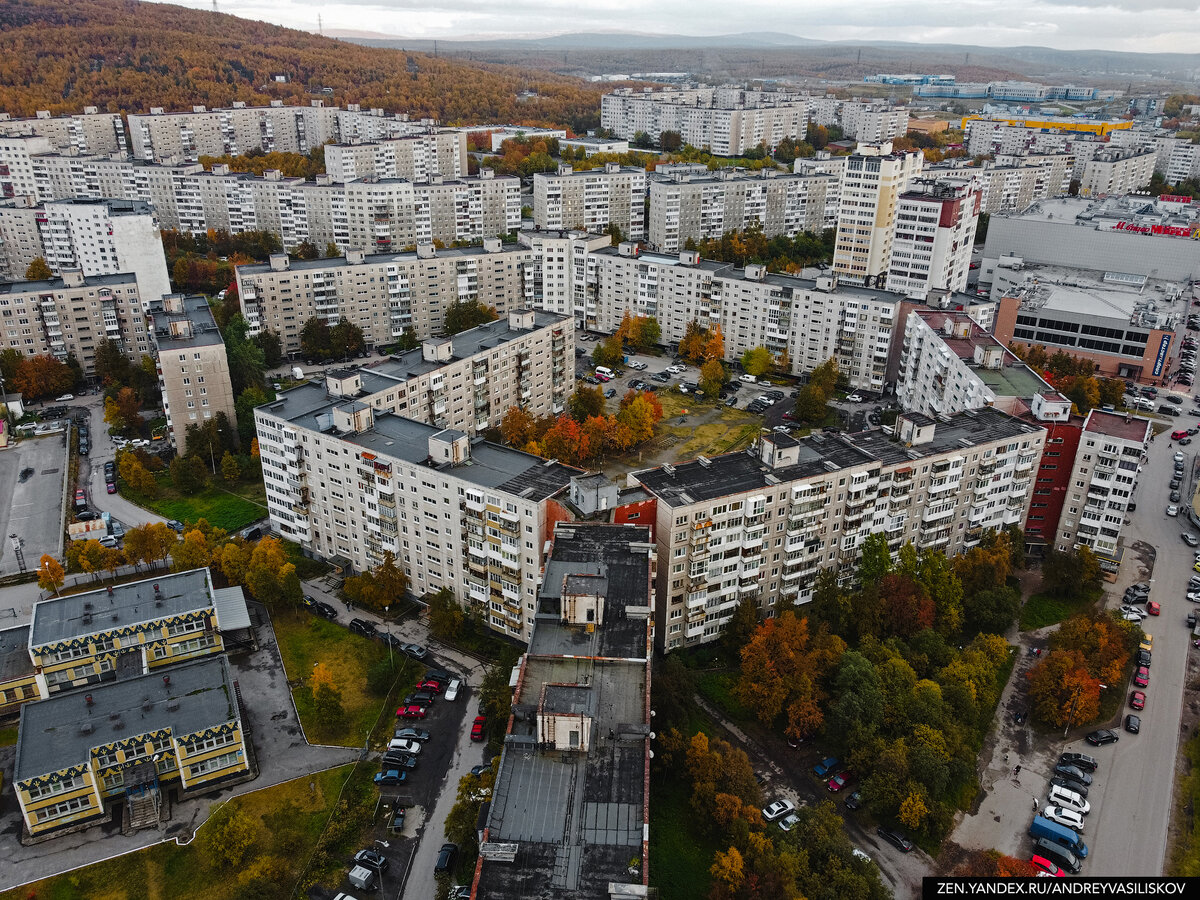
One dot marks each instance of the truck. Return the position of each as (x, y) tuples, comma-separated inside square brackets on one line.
[(297, 373), (1060, 834), (87, 531)]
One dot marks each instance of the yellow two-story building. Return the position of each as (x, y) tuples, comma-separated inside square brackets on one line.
[(82, 639), (18, 676), (128, 740)]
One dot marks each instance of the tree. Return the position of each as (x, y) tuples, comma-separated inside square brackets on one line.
[(346, 339), (123, 411), (446, 616), (38, 270), (315, 340), (328, 710), (232, 559), (188, 474), (270, 578), (756, 361), (991, 611), (728, 871), (466, 314), (585, 402), (608, 352), (244, 410), (875, 561), (111, 365), (712, 378), (247, 362), (305, 250), (1062, 690), (640, 411), (50, 573), (227, 838), (193, 552), (516, 426), (272, 347), (41, 376), (714, 345), (230, 470), (913, 810), (1071, 573), (810, 405), (741, 625)]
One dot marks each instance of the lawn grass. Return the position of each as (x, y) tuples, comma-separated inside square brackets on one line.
[(680, 857), (8, 736), (229, 508), (287, 821), (307, 568), (305, 640), (717, 688), (1041, 610), (1184, 855)]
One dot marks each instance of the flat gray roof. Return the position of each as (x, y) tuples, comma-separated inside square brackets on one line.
[(962, 432), (63, 618), (14, 653), (195, 310), (57, 284), (62, 731), (378, 259), (117, 206)]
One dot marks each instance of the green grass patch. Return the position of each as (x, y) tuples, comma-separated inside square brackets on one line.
[(304, 641), (8, 736), (286, 822), (717, 688), (679, 856), (1185, 849), (306, 567), (1041, 610), (230, 508)]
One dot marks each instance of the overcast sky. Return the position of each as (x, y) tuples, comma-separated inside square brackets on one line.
[(1135, 25)]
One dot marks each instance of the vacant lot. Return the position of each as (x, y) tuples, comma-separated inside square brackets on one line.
[(231, 509)]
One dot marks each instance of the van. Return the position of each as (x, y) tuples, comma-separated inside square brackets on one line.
[(1057, 853), (604, 370), (1142, 403), (1041, 827), (1060, 796), (748, 378), (252, 534), (362, 878)]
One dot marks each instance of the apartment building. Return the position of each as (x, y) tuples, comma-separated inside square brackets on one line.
[(193, 370), (106, 237), (385, 294), (557, 273), (874, 179), (592, 200), (873, 123), (689, 207), (16, 164), (350, 482), (20, 236), (729, 121), (804, 320), (128, 742), (18, 675), (416, 157), (1014, 181), (981, 133), (936, 220), (585, 682), (821, 163), (1116, 172), (71, 314), (72, 176), (1106, 467), (764, 522), (88, 132)]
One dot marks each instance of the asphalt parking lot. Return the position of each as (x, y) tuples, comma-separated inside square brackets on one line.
[(33, 507)]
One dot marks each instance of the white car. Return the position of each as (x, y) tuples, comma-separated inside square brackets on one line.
[(854, 398), (778, 810), (1064, 816), (1178, 457), (413, 748), (64, 398), (1060, 796), (1129, 610), (1172, 510), (858, 854), (675, 370), (790, 822), (452, 689)]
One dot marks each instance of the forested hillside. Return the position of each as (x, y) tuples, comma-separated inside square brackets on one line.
[(126, 56)]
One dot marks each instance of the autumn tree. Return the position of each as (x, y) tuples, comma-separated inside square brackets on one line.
[(50, 573), (193, 552), (1061, 689), (992, 864), (42, 376), (691, 345), (516, 426), (231, 471), (377, 588), (1071, 574), (38, 270), (756, 361), (608, 352), (270, 578), (446, 618), (227, 838), (585, 402), (714, 344), (465, 314), (188, 474), (640, 411), (123, 411), (328, 710)]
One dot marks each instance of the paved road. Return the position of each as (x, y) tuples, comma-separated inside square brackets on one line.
[(1127, 830), (91, 468)]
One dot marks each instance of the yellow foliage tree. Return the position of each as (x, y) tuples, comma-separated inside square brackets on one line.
[(913, 810), (50, 573)]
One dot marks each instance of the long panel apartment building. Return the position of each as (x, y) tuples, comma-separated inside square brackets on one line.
[(687, 207), (592, 200), (90, 131), (385, 294), (350, 482), (762, 523), (417, 157)]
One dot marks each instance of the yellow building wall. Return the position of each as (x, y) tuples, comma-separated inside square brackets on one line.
[(1083, 126), (18, 690), (87, 790), (190, 782)]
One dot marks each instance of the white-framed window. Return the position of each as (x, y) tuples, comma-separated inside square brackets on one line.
[(224, 761), (66, 808), (38, 791)]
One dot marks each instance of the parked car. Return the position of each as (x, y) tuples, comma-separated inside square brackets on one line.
[(477, 728), (452, 689), (1070, 796), (789, 822), (413, 734), (1101, 737), (363, 627), (1144, 658), (412, 748), (1044, 865), (445, 858), (395, 760), (416, 651), (1137, 700), (839, 781), (1058, 853), (854, 801), (1133, 724), (1190, 539), (175, 525), (411, 711), (778, 809), (1073, 773), (372, 859), (895, 838), (430, 685), (1060, 815), (825, 766), (1079, 761), (390, 777), (64, 398)]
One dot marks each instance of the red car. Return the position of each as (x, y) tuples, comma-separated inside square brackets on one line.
[(112, 488), (1153, 608), (477, 728), (412, 711), (1142, 677), (1044, 865), (434, 687), (1137, 700), (839, 781)]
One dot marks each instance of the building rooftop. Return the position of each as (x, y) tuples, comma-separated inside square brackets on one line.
[(182, 322), (117, 206), (1118, 425), (373, 259), (615, 554), (58, 284), (60, 619), (578, 818), (1139, 300), (1012, 379), (734, 473), (61, 731), (14, 653), (961, 432)]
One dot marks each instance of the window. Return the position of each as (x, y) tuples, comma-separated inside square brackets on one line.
[(224, 761), (55, 787), (66, 808)]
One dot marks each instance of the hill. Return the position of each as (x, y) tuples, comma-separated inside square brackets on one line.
[(126, 56)]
